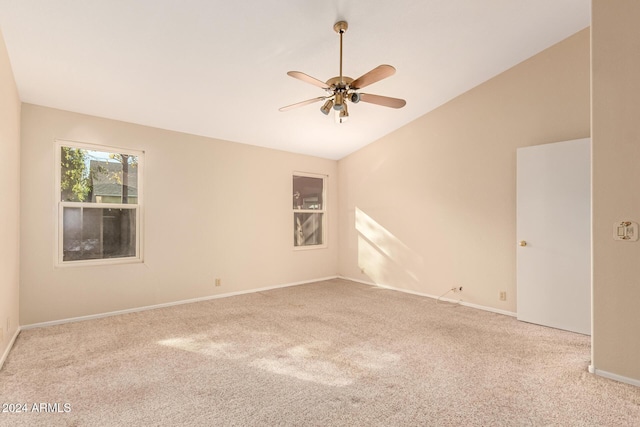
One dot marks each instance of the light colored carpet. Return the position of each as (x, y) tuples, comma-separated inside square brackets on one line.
[(331, 353)]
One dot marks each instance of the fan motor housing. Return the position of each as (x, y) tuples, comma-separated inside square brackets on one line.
[(337, 82)]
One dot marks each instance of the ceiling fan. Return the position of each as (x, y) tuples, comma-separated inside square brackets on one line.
[(341, 89)]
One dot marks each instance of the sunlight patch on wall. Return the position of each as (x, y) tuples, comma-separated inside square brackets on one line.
[(383, 257)]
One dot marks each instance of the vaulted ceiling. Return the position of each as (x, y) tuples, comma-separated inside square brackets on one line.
[(218, 68)]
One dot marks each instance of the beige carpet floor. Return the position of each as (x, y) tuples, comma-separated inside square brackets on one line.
[(332, 353)]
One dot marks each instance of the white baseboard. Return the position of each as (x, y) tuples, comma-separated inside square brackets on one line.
[(8, 349), (168, 304), (230, 294), (466, 304), (615, 377), (491, 309)]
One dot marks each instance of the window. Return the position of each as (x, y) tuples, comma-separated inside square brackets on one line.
[(99, 204), (309, 210)]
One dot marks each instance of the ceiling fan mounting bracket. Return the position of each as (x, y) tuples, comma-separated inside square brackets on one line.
[(340, 27)]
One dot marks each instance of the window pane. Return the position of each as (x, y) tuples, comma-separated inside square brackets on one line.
[(307, 229), (98, 176), (95, 233), (72, 232), (307, 192)]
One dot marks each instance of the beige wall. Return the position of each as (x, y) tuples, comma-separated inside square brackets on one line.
[(432, 205), (10, 196), (212, 209), (616, 179)]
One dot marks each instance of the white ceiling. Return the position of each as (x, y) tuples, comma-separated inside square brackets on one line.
[(218, 68)]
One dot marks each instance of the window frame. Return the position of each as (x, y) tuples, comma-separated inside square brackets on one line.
[(323, 212), (60, 205)]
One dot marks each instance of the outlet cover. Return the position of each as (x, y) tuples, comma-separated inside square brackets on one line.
[(503, 295)]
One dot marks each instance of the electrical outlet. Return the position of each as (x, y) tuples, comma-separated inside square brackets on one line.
[(503, 295), (457, 289), (218, 282)]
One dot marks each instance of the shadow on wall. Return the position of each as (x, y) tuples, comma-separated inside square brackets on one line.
[(384, 258)]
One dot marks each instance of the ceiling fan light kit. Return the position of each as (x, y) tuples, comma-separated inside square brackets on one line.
[(343, 89), (327, 107)]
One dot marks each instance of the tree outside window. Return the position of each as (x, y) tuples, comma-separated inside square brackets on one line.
[(99, 205)]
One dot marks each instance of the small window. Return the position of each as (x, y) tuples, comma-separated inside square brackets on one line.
[(309, 210), (99, 204)]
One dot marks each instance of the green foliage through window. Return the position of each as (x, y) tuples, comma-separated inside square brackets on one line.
[(75, 183), (99, 204)]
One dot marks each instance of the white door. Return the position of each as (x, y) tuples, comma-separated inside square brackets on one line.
[(554, 235)]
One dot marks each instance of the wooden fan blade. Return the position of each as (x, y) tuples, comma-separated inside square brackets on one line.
[(385, 101), (303, 103), (307, 78), (377, 74)]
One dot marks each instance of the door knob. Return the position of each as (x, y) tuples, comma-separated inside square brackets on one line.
[(523, 243)]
